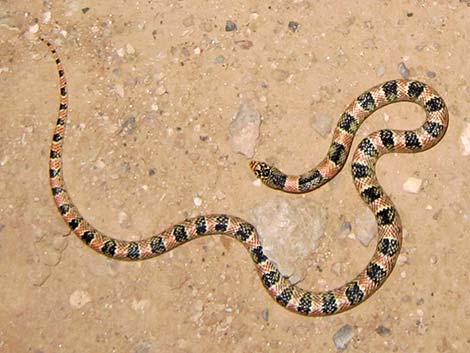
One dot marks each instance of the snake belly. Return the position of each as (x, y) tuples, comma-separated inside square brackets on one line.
[(287, 294)]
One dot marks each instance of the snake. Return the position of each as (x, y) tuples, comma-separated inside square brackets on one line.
[(280, 288)]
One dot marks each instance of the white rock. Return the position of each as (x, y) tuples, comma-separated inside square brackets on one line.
[(79, 298), (365, 227), (412, 185), (289, 230), (123, 219), (197, 201), (120, 52), (244, 130), (130, 49), (34, 28), (465, 140), (46, 17), (322, 124)]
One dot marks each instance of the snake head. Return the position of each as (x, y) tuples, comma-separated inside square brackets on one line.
[(261, 169)]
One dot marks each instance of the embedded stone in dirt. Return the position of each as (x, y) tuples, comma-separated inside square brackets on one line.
[(244, 130)]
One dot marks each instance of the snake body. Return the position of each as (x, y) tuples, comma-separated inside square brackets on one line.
[(278, 286)]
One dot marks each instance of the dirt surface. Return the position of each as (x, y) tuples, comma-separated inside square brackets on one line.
[(154, 86)]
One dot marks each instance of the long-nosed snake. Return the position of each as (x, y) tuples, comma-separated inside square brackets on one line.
[(279, 287)]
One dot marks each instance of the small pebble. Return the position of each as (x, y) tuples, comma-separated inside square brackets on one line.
[(79, 299), (342, 337), (120, 52), (433, 259), (380, 71), (430, 74), (293, 26), (230, 26), (412, 185), (197, 201), (123, 219), (46, 17), (403, 70), (322, 124), (365, 227), (265, 314), (85, 10), (244, 130), (219, 59), (219, 195), (34, 28), (383, 331), (345, 229), (244, 44), (130, 49)]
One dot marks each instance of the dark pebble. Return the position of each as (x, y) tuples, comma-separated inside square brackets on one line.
[(129, 124), (230, 26), (85, 9), (383, 331), (152, 172), (293, 26)]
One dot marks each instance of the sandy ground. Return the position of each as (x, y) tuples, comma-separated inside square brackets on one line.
[(153, 88)]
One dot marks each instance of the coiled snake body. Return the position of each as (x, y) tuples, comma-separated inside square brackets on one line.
[(279, 287)]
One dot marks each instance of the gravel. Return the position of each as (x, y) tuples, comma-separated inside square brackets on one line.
[(230, 26), (403, 70), (343, 336)]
